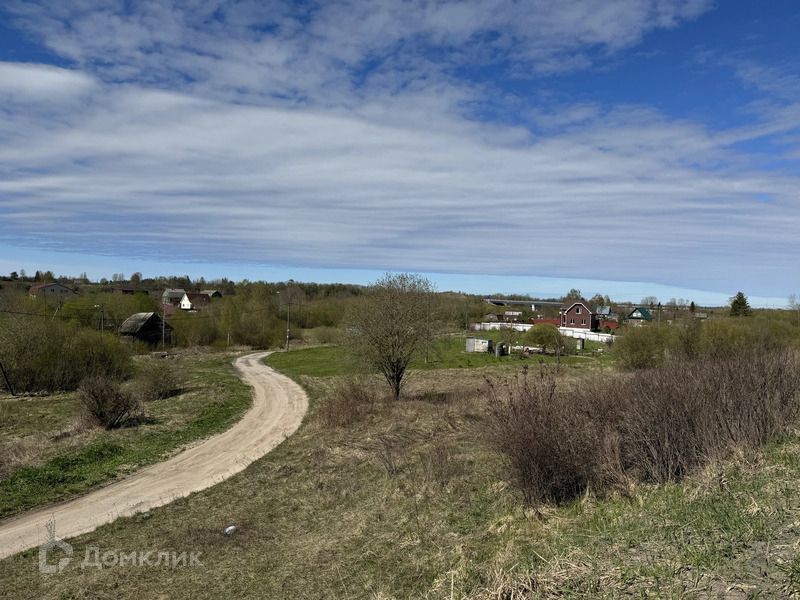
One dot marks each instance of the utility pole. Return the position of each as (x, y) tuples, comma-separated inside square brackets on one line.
[(288, 304), (102, 317), (163, 326), (427, 328), (8, 381)]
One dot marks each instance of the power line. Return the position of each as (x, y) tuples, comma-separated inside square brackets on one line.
[(178, 318)]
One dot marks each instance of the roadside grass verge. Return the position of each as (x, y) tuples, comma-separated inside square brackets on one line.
[(412, 501), (58, 456)]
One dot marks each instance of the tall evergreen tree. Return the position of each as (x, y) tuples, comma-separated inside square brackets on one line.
[(740, 307)]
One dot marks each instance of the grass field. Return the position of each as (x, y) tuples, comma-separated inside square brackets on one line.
[(48, 455), (412, 502), (444, 353)]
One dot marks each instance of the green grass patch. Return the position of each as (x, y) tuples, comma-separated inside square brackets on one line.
[(320, 361), (444, 353), (67, 467)]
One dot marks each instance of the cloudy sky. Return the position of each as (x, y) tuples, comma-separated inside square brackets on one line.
[(631, 147)]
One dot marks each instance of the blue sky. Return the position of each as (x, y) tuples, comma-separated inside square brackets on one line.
[(631, 147)]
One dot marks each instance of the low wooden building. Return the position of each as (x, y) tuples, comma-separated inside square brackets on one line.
[(146, 327)]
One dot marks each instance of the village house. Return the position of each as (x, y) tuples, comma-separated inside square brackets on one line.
[(50, 290), (194, 301), (578, 315), (605, 313), (172, 296), (640, 315)]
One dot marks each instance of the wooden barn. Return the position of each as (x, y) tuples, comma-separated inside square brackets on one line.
[(146, 327)]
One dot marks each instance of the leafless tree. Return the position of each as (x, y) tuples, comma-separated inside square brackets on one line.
[(390, 324)]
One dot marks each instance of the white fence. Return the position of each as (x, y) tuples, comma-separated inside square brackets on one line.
[(573, 332), (497, 326), (585, 334)]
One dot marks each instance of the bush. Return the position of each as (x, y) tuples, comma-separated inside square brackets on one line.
[(326, 335), (107, 403), (641, 347), (44, 355), (91, 353), (548, 337), (348, 400), (545, 440), (156, 380), (652, 345), (655, 425)]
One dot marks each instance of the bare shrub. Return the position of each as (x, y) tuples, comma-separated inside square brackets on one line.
[(545, 438), (655, 425), (156, 380), (684, 414), (107, 403), (348, 400)]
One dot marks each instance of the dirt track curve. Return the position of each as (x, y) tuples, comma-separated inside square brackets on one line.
[(279, 405)]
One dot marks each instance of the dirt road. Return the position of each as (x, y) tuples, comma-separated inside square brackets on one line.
[(278, 407)]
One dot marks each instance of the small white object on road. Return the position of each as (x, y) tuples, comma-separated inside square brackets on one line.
[(230, 529)]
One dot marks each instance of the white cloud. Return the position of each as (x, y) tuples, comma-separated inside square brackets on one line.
[(340, 137), (148, 171), (23, 82), (317, 51)]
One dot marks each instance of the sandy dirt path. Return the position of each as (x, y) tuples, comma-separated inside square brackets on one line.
[(279, 405)]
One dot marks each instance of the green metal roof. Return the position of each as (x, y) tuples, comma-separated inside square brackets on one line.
[(644, 311)]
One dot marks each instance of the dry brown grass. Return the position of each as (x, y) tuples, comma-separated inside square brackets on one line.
[(347, 400), (157, 379)]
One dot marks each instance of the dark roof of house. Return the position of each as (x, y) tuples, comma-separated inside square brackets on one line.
[(503, 302), (198, 299), (583, 303), (134, 324), (211, 292), (644, 311), (40, 286)]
